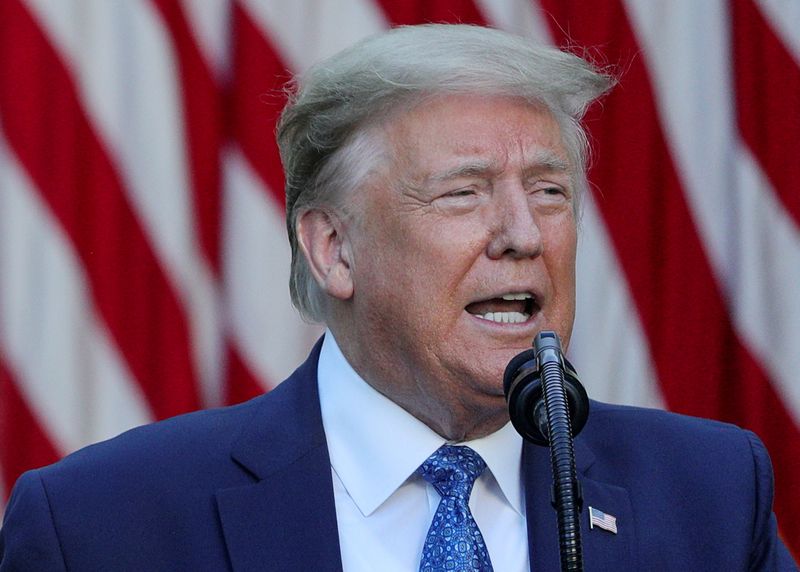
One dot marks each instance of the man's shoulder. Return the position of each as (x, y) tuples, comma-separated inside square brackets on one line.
[(606, 414), (647, 426), (681, 473), (632, 440), (188, 446), (158, 485), (199, 444), (146, 481)]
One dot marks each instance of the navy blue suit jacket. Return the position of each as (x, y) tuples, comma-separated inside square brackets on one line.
[(249, 488)]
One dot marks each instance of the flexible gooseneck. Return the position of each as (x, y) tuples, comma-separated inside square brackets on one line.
[(548, 405)]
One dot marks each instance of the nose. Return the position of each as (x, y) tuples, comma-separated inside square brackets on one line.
[(515, 232)]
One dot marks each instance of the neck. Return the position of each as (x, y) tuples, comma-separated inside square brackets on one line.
[(456, 418), (455, 425)]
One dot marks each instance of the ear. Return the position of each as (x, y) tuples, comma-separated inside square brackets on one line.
[(327, 250)]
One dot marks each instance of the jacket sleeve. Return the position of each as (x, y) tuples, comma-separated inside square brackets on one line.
[(28, 538), (769, 552)]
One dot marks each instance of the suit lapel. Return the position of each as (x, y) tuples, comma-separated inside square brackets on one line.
[(285, 519), (602, 550)]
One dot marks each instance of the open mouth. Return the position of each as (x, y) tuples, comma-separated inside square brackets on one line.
[(511, 308)]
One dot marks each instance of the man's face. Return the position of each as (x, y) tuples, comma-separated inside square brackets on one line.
[(463, 251)]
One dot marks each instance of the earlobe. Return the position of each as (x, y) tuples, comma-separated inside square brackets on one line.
[(327, 250)]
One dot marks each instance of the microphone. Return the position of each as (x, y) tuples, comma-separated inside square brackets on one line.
[(524, 389), (549, 406)]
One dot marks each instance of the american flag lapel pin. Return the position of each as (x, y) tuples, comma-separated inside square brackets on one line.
[(602, 520)]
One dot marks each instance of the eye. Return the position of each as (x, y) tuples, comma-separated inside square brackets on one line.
[(549, 192), (462, 196), (458, 201), (550, 195), (465, 192)]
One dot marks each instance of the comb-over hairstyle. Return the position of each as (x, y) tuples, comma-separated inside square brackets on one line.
[(327, 134)]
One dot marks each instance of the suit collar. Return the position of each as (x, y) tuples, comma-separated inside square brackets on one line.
[(285, 519), (285, 424), (602, 550)]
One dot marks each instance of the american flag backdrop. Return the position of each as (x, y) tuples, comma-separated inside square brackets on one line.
[(143, 253)]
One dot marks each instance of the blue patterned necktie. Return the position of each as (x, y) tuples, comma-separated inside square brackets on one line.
[(454, 542)]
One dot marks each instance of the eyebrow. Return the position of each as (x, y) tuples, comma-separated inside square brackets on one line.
[(546, 160), (471, 169), (543, 160)]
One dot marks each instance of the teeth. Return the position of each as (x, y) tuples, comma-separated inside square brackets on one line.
[(516, 296), (505, 317)]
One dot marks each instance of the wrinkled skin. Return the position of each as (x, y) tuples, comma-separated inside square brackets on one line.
[(476, 201)]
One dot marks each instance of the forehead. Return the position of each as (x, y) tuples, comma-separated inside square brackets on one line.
[(493, 131)]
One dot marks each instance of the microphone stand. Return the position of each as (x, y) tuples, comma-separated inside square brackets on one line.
[(547, 411)]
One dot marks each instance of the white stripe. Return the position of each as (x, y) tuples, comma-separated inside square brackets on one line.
[(305, 31), (764, 288), (753, 245), (209, 21), (522, 17), (609, 348), (783, 16), (272, 337), (68, 370), (126, 73)]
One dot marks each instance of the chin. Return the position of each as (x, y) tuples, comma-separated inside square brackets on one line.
[(490, 382)]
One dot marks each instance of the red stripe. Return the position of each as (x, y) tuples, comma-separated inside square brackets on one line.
[(23, 443), (402, 12), (204, 120), (203, 124), (767, 83), (257, 99), (703, 367), (50, 133)]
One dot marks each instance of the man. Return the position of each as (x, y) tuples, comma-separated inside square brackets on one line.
[(434, 176)]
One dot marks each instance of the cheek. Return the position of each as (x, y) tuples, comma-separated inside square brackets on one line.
[(416, 258), (454, 250), (391, 270), (562, 273), (433, 253), (560, 248), (560, 244), (567, 266)]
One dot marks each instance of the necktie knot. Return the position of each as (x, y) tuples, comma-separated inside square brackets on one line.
[(452, 471), (454, 542)]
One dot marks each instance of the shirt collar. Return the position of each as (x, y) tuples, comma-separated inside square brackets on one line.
[(502, 452), (375, 445)]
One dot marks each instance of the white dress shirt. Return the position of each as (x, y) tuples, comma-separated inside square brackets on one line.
[(383, 508)]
